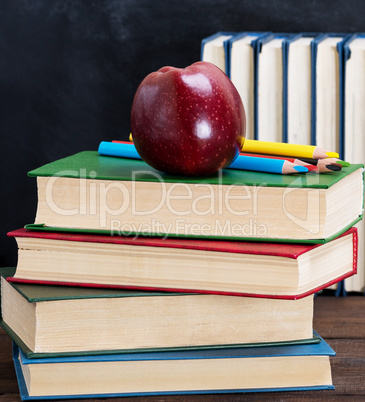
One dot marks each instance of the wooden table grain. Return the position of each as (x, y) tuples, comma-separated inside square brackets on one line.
[(339, 320)]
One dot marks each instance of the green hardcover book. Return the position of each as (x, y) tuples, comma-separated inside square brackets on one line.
[(89, 192), (49, 320)]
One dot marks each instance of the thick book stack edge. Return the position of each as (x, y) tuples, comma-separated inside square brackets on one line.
[(230, 309)]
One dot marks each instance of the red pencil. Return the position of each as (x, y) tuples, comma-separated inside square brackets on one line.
[(310, 167)]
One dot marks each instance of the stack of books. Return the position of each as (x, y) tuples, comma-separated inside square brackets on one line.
[(301, 88), (134, 282)]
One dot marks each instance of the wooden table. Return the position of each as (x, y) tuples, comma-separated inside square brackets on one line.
[(340, 321)]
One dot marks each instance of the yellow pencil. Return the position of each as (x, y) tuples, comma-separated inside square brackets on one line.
[(283, 149)]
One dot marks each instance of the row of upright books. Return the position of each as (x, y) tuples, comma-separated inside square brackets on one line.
[(301, 88), (131, 282)]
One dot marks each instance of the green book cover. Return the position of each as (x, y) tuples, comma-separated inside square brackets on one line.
[(38, 293), (217, 220), (48, 293), (91, 165)]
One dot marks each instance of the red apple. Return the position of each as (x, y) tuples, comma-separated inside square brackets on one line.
[(188, 121)]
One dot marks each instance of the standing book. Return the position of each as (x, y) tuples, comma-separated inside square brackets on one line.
[(298, 97), (215, 49), (327, 91), (88, 191), (270, 87), (265, 369), (354, 128), (354, 97), (242, 71), (235, 54)]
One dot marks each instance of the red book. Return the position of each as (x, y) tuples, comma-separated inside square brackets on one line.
[(273, 270)]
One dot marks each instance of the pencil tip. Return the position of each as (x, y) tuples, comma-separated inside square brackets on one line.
[(334, 168), (343, 163), (300, 169), (311, 168), (332, 154)]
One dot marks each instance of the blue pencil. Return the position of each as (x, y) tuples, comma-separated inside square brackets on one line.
[(242, 162), (121, 149), (267, 165)]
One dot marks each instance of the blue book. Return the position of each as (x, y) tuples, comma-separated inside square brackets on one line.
[(353, 145), (353, 97), (270, 86), (215, 49), (327, 91), (241, 69), (297, 70), (264, 369)]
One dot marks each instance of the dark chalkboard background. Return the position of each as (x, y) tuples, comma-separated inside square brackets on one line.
[(69, 70)]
